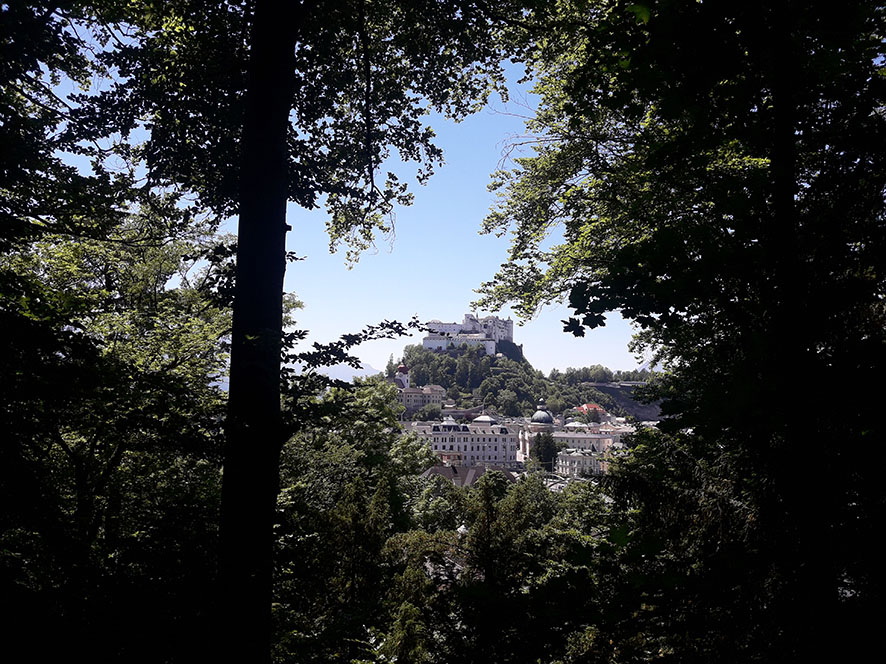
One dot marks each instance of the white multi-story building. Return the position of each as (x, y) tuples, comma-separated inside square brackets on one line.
[(589, 449), (584, 440), (498, 329), (442, 341), (482, 442), (414, 398), (616, 431), (473, 331), (446, 328), (580, 463)]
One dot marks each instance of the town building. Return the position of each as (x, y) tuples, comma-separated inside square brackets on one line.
[(542, 421), (593, 410), (616, 430), (482, 442), (574, 463), (414, 398), (588, 448), (584, 440)]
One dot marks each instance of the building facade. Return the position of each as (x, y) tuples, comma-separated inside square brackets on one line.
[(580, 463), (414, 398), (442, 342), (473, 331), (584, 440), (482, 442)]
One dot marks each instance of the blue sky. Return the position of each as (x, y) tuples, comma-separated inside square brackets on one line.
[(437, 259)]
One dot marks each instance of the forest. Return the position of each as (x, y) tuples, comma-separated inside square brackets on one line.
[(714, 171)]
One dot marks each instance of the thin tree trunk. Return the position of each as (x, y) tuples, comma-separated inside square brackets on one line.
[(254, 432)]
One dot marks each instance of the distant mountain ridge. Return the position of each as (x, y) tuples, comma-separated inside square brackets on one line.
[(347, 373), (342, 371)]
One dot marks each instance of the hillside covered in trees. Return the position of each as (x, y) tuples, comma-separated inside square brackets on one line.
[(509, 384)]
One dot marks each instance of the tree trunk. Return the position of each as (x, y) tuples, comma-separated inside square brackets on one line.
[(254, 431), (805, 501)]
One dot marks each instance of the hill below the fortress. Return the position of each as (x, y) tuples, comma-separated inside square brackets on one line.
[(507, 382)]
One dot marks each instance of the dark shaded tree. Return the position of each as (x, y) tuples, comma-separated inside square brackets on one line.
[(112, 441), (348, 482), (716, 172)]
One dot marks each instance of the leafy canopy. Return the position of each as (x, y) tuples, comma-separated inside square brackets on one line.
[(364, 75)]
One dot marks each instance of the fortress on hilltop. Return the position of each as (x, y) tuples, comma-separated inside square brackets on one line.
[(473, 331)]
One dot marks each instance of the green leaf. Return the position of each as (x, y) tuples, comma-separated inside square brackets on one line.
[(641, 12)]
